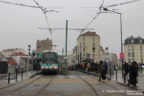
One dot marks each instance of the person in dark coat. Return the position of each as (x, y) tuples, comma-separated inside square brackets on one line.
[(133, 73), (96, 67), (102, 71), (106, 66), (126, 70)]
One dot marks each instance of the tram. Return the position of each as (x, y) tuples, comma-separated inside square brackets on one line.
[(50, 62)]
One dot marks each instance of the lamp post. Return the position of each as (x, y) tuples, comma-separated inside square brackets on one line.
[(106, 9), (29, 49), (33, 56), (66, 43)]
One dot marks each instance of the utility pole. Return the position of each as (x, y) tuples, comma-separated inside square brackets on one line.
[(66, 41), (62, 55), (80, 53), (29, 49), (121, 36)]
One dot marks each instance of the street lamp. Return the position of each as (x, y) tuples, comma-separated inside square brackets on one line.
[(106, 9), (33, 55)]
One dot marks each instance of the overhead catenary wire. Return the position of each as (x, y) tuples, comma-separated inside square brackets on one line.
[(113, 5), (18, 4), (44, 9), (102, 7), (97, 14), (44, 12)]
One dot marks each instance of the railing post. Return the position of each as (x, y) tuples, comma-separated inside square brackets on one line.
[(9, 78), (22, 74), (16, 74), (116, 75)]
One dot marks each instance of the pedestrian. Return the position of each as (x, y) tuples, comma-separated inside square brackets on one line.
[(140, 67), (133, 74), (82, 66), (102, 71), (126, 71), (88, 67), (106, 66)]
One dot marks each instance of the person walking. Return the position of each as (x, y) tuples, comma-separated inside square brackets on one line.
[(126, 71), (96, 67), (88, 67), (133, 74), (102, 71), (82, 66)]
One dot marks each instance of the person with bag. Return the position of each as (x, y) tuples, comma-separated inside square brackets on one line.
[(133, 74), (102, 71)]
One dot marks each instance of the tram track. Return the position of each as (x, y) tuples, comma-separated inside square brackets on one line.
[(112, 86), (91, 86), (44, 87), (17, 89)]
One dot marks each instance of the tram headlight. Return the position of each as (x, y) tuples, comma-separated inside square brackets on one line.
[(50, 67), (42, 67), (55, 67), (46, 67)]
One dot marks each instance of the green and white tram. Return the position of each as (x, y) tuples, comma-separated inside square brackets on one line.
[(50, 62)]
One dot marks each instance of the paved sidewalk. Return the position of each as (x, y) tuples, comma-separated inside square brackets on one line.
[(4, 78), (140, 84)]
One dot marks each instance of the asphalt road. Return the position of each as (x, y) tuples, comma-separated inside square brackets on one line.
[(74, 84)]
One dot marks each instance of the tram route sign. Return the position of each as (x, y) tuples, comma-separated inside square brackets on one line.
[(122, 56)]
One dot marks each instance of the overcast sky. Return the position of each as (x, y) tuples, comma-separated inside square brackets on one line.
[(19, 25)]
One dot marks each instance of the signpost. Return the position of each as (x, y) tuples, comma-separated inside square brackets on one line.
[(121, 56)]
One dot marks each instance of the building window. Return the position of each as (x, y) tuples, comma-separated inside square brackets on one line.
[(132, 59), (129, 55), (93, 56), (140, 41), (93, 45), (141, 60), (84, 44), (83, 38), (133, 54), (141, 55), (80, 46), (129, 47), (83, 55), (129, 60), (141, 48), (93, 38), (93, 49), (132, 47), (127, 41), (88, 55), (132, 41)]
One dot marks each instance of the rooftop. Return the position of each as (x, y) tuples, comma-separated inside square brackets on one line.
[(89, 34), (134, 40)]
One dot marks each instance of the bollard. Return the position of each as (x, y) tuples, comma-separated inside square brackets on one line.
[(124, 78), (116, 75), (22, 74), (110, 74), (9, 78), (16, 75)]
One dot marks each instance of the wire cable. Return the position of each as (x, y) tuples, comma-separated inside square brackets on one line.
[(113, 5), (18, 4), (97, 14), (44, 11)]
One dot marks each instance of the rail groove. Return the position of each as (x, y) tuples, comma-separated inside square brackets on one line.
[(96, 94)]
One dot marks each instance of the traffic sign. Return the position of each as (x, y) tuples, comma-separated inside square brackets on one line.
[(121, 55)]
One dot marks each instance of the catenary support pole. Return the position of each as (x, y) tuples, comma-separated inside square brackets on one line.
[(66, 43)]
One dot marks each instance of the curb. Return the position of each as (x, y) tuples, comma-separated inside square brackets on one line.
[(19, 81), (37, 73), (8, 85), (135, 88)]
